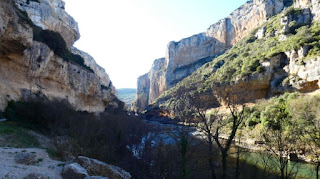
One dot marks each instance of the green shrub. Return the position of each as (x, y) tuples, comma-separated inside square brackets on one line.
[(16, 136), (276, 115), (260, 69), (293, 11)]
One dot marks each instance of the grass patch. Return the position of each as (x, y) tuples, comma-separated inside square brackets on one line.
[(54, 154), (13, 135)]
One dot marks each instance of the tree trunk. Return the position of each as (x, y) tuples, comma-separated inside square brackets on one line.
[(224, 164), (238, 163), (213, 173), (184, 148), (317, 170)]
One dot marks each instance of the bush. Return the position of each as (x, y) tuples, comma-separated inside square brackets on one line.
[(57, 44), (260, 69), (105, 136)]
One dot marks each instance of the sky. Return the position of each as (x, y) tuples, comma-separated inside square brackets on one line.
[(126, 36)]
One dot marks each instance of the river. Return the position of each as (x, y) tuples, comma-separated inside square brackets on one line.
[(250, 157)]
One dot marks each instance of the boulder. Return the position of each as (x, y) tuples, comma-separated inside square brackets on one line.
[(98, 168), (25, 158), (74, 171)]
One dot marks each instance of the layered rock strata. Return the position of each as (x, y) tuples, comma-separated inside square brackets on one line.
[(184, 57), (29, 67)]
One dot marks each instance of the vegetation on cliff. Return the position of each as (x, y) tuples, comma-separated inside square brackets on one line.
[(246, 58)]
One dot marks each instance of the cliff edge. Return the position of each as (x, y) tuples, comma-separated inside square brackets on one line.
[(184, 57), (37, 58)]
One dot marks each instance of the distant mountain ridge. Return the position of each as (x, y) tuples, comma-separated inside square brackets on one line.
[(126, 95)]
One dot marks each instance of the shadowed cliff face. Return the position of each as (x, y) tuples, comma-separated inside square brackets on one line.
[(184, 57), (35, 67)]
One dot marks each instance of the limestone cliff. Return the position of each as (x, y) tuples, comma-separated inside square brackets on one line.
[(184, 57), (47, 64), (282, 55), (155, 80)]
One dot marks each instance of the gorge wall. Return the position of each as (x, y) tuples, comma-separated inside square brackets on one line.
[(184, 57), (37, 58), (280, 56)]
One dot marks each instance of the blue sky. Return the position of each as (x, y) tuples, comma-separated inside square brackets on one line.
[(125, 36)]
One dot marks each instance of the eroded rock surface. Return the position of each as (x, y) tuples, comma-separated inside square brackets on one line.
[(31, 67), (184, 57)]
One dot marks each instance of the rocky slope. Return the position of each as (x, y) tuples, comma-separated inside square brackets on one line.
[(184, 57), (276, 54), (37, 57), (280, 56)]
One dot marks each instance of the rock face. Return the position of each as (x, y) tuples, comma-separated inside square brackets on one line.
[(305, 77), (314, 6), (50, 15), (151, 85), (31, 67), (184, 57)]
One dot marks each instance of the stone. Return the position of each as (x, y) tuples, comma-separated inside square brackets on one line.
[(98, 168), (25, 158), (74, 171)]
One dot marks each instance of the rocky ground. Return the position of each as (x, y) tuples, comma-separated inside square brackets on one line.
[(35, 163), (28, 163)]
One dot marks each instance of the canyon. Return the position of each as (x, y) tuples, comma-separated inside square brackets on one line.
[(186, 56)]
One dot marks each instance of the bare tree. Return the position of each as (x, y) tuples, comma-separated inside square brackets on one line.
[(183, 136), (237, 116), (235, 103), (206, 125)]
